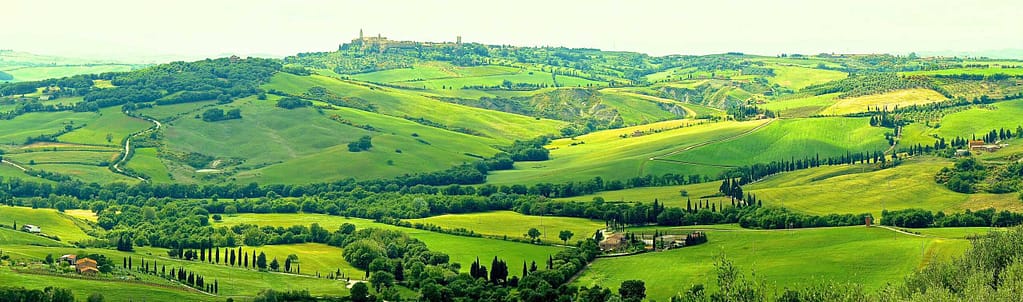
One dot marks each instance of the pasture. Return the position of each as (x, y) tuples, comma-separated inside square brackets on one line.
[(50, 221), (608, 155), (797, 77), (111, 123), (890, 100), (801, 106), (857, 189), (515, 225), (146, 161), (791, 138), (980, 120), (869, 256), (15, 131)]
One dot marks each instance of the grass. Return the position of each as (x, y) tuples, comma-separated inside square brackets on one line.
[(433, 70), (461, 249), (973, 71), (500, 126), (87, 173), (313, 257), (890, 100), (164, 112), (303, 145), (50, 221), (515, 225), (956, 233), (608, 155), (234, 282), (111, 290), (636, 110), (857, 189), (17, 130), (980, 120), (35, 73), (797, 77), (801, 107), (869, 256), (147, 162), (669, 196), (792, 138), (12, 237), (111, 121), (92, 158)]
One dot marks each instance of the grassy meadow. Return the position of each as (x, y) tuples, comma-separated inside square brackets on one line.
[(890, 100), (869, 256), (608, 155), (515, 225), (792, 138)]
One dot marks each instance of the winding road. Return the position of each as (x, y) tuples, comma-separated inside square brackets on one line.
[(127, 145)]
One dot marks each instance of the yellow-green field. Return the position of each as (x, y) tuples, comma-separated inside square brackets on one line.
[(890, 100), (869, 256), (515, 225)]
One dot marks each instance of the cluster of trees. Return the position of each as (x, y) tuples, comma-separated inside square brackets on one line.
[(48, 294), (217, 114), (918, 218), (363, 144), (194, 280), (744, 112), (498, 274), (871, 83), (293, 102), (754, 172)]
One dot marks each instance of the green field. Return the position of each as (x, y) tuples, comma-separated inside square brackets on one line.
[(890, 100), (608, 155), (636, 109), (801, 107), (36, 73), (432, 70), (796, 77), (165, 112), (111, 121), (87, 173), (463, 250), (89, 158), (973, 71), (111, 290), (981, 120), (669, 196), (499, 126), (17, 130), (869, 256), (146, 161), (792, 138), (50, 221), (859, 188), (515, 225)]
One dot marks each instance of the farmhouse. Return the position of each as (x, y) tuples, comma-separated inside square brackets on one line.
[(31, 228), (86, 266), (979, 145), (612, 242), (69, 259)]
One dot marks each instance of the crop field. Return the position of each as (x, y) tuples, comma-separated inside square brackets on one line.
[(431, 71), (636, 109), (93, 158), (233, 281), (973, 71), (111, 290), (796, 77), (515, 225), (869, 256), (87, 173), (463, 250), (980, 120), (12, 237), (111, 121), (147, 162), (310, 147), (890, 100), (165, 112), (608, 155), (801, 107), (500, 126), (859, 188), (17, 130), (35, 73), (50, 221), (792, 138), (669, 196)]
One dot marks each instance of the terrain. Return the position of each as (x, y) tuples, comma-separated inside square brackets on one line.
[(404, 170)]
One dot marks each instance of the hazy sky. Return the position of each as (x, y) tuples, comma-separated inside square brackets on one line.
[(212, 27)]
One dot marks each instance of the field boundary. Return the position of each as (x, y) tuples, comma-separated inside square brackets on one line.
[(702, 144)]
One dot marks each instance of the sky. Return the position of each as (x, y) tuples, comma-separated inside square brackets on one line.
[(129, 28)]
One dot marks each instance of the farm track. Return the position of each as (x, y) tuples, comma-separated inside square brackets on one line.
[(127, 147), (689, 112)]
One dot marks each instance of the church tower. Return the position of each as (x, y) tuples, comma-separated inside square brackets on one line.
[(361, 38)]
